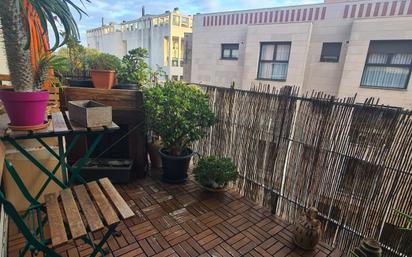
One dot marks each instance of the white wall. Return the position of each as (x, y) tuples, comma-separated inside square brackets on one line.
[(353, 24), (363, 31)]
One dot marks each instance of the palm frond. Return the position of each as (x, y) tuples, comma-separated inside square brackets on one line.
[(55, 13)]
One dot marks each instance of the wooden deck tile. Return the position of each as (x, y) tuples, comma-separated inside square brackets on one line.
[(183, 220)]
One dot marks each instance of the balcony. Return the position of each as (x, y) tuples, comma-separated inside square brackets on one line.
[(186, 221), (292, 152)]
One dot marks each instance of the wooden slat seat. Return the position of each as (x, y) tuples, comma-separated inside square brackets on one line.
[(118, 201), (83, 209)]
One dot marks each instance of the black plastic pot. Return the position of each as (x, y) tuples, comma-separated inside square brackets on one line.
[(81, 83), (175, 167), (126, 86)]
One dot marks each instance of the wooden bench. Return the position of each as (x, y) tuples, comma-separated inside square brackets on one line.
[(73, 214)]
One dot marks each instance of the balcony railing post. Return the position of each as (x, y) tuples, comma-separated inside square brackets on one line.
[(274, 196)]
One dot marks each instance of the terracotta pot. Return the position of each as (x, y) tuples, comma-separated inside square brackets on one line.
[(25, 109), (369, 247), (307, 230), (154, 154), (103, 79)]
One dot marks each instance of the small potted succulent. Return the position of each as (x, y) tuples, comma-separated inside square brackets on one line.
[(214, 173), (103, 69), (179, 114), (134, 71), (26, 103)]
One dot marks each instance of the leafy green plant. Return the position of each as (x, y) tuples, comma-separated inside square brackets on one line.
[(215, 172), (15, 20), (103, 61), (156, 74), (134, 68), (408, 218), (178, 113), (45, 63)]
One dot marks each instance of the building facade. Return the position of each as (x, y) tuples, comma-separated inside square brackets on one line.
[(162, 35), (338, 47)]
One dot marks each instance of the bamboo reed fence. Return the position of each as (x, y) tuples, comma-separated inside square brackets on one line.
[(351, 161)]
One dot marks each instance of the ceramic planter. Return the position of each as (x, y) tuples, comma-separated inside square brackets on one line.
[(25, 109), (369, 247), (307, 230), (154, 153), (214, 189), (175, 167), (103, 79)]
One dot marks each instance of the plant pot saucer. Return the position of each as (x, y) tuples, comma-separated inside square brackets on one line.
[(26, 128)]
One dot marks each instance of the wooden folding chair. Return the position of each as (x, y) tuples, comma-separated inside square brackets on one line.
[(70, 215)]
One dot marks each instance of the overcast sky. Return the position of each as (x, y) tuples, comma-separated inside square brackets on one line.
[(119, 10)]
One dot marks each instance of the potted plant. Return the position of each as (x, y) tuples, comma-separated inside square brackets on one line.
[(103, 68), (179, 114), (134, 71), (26, 102), (214, 173), (76, 56)]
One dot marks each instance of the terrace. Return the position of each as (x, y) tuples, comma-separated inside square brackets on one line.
[(292, 153), (184, 220)]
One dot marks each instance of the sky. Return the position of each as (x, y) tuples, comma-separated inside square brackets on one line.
[(119, 10)]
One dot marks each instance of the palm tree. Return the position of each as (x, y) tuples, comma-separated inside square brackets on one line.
[(15, 24)]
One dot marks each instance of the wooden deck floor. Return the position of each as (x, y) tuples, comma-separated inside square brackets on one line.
[(183, 220)]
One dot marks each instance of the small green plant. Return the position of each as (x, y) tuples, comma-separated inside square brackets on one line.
[(408, 218), (215, 172), (103, 61), (46, 62), (134, 68), (178, 113)]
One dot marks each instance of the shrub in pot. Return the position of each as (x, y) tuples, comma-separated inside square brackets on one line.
[(26, 103), (134, 71), (77, 56), (103, 69), (179, 114), (215, 173)]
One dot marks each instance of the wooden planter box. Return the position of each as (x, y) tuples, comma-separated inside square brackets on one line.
[(127, 106), (89, 113), (117, 170)]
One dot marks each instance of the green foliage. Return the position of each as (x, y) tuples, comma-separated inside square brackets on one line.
[(55, 14), (156, 74), (16, 24), (178, 113), (103, 61), (408, 218), (215, 172), (45, 63), (134, 69)]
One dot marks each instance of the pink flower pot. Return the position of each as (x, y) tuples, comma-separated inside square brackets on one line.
[(25, 108)]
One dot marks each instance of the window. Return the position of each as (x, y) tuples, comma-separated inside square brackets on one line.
[(330, 52), (176, 20), (388, 64), (185, 22), (230, 51), (274, 61), (174, 77)]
